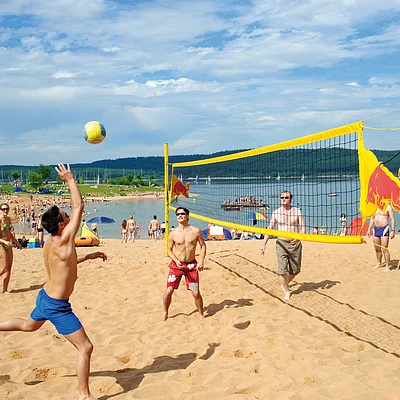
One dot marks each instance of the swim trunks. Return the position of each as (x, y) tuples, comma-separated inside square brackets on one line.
[(379, 232), (289, 257), (189, 270), (58, 312)]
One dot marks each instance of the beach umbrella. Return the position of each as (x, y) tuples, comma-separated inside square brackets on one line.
[(250, 215), (261, 216), (100, 220)]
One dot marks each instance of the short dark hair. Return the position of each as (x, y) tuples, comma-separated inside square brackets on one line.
[(287, 191), (51, 218), (182, 208)]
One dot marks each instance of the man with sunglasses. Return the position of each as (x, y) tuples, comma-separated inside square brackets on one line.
[(61, 261), (182, 243), (288, 251)]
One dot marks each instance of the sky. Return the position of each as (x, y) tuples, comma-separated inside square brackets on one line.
[(202, 76)]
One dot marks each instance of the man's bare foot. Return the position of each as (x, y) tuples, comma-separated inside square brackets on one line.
[(387, 269), (202, 316), (379, 265), (165, 316), (287, 296)]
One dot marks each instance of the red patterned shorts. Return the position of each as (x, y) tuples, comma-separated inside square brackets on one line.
[(189, 270)]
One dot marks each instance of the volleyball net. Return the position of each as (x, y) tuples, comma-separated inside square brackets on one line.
[(335, 182)]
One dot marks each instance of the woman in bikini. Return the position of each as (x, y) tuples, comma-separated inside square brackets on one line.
[(7, 238), (124, 231)]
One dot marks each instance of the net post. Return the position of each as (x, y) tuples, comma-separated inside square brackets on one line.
[(166, 199)]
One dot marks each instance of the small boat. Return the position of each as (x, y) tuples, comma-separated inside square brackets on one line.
[(232, 208), (302, 177), (332, 194), (245, 205), (83, 241)]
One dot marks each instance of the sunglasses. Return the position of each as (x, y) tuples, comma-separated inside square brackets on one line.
[(285, 197), (178, 214), (4, 209)]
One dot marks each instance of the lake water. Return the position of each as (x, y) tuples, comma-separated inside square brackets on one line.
[(314, 197)]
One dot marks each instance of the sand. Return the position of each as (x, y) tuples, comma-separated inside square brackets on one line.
[(337, 338)]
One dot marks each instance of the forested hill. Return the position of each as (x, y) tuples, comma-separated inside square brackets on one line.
[(332, 161)]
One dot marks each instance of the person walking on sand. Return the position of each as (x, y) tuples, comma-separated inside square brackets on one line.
[(379, 229), (153, 228), (182, 243), (288, 251), (124, 231), (52, 302), (131, 227), (7, 238)]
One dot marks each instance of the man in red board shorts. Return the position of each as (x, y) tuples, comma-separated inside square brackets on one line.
[(182, 243)]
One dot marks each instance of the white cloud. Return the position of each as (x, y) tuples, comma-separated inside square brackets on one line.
[(202, 75)]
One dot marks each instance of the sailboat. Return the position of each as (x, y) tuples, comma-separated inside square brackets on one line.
[(181, 178), (278, 177), (208, 181), (302, 177), (197, 180)]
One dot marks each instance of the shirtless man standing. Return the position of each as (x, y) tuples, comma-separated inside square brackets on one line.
[(52, 302), (379, 228), (288, 251), (153, 228), (131, 227), (182, 243)]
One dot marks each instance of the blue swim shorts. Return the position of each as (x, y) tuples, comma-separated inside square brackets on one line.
[(380, 232), (58, 312)]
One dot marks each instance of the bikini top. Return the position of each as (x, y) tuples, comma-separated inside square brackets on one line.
[(5, 228)]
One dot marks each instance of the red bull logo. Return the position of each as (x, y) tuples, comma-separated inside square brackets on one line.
[(383, 187), (178, 188)]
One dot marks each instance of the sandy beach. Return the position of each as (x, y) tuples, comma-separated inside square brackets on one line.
[(337, 338)]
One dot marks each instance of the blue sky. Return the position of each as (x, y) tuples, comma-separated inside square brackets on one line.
[(202, 76)]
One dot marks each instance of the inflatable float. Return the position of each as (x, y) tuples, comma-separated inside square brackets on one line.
[(86, 238), (86, 241)]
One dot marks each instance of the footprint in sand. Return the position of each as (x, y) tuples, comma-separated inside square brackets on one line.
[(242, 325), (4, 379), (39, 375)]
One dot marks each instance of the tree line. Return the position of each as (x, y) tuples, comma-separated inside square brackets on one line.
[(140, 171)]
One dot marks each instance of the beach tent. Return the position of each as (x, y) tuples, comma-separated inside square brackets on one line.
[(85, 231), (17, 189), (216, 233)]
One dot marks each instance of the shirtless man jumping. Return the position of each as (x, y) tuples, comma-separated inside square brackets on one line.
[(52, 302), (288, 251), (379, 229), (182, 243)]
